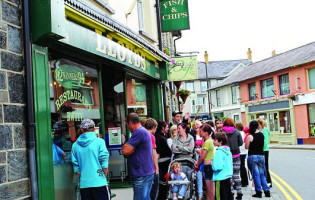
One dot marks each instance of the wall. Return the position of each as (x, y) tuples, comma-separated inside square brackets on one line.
[(14, 171), (302, 130)]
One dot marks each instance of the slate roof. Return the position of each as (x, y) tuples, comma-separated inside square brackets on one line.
[(108, 21), (297, 56), (219, 69)]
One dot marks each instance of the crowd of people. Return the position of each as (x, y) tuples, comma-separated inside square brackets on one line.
[(153, 152)]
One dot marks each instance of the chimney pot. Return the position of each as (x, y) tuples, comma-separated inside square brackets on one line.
[(249, 54), (273, 53)]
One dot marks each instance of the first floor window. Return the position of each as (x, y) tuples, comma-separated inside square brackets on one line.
[(218, 97), (311, 79), (267, 88), (234, 97), (201, 102), (284, 84), (252, 91), (203, 86), (190, 86), (311, 115)]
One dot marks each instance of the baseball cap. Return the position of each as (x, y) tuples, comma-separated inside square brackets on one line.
[(176, 112), (87, 124)]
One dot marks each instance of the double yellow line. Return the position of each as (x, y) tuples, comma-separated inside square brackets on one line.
[(275, 178)]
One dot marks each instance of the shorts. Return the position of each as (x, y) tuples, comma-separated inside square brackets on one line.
[(207, 170)]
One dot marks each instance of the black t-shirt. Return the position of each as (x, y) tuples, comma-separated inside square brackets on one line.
[(256, 147), (161, 145)]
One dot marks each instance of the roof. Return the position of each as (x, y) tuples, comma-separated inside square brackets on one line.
[(219, 69), (294, 57), (108, 21)]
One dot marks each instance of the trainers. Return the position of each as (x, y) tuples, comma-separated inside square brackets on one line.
[(180, 197)]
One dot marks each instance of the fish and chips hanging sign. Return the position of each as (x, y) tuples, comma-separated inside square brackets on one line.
[(174, 15), (183, 68)]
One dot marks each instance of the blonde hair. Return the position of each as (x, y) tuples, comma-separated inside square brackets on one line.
[(261, 122), (175, 164), (173, 128)]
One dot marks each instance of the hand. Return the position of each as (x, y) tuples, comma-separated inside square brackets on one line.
[(156, 171), (105, 170), (198, 151), (196, 165), (78, 173)]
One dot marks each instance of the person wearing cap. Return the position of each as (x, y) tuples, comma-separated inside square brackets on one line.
[(176, 118), (90, 161), (138, 151)]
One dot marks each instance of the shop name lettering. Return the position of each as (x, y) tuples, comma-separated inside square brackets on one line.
[(61, 76), (71, 95), (118, 50), (174, 14), (181, 66)]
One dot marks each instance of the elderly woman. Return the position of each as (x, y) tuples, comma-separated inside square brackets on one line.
[(183, 144)]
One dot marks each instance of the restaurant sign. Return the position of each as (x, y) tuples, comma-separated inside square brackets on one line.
[(174, 15), (183, 68), (69, 77)]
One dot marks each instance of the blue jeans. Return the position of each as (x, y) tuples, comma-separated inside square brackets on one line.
[(199, 183), (180, 189), (155, 187), (142, 187), (256, 165)]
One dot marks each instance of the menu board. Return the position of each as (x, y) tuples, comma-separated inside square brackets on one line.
[(114, 136)]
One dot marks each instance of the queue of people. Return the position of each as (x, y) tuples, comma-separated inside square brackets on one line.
[(219, 151)]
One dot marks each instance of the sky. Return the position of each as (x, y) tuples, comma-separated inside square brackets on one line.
[(227, 28)]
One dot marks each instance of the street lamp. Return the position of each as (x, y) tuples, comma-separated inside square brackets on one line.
[(208, 83)]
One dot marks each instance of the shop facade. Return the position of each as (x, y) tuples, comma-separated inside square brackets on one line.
[(87, 65)]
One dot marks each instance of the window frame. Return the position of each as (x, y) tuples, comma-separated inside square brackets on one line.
[(218, 97), (201, 82), (193, 86), (234, 96), (308, 78), (262, 88), (250, 85), (280, 83)]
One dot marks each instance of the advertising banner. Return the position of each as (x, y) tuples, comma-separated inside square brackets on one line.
[(183, 68), (174, 15)]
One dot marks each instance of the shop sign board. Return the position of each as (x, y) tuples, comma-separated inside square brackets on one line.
[(174, 15), (183, 68), (114, 136), (69, 77), (107, 47)]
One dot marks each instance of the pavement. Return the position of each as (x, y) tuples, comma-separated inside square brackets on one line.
[(276, 194)]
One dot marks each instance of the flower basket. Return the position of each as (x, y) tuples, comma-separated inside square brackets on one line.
[(183, 94), (293, 97)]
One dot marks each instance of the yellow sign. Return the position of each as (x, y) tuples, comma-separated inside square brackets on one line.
[(183, 68)]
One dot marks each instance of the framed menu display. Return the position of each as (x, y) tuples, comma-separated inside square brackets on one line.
[(114, 136)]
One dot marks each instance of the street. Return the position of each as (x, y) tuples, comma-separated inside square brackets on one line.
[(296, 168)]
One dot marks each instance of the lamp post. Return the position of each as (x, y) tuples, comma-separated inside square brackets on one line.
[(208, 84)]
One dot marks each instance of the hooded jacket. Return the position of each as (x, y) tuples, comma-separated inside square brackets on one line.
[(89, 156), (234, 139), (222, 164)]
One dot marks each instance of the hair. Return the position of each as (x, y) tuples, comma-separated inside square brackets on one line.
[(210, 123), (133, 117), (175, 164), (173, 128), (262, 122), (150, 124), (207, 128), (184, 126), (229, 122), (161, 125), (221, 137), (239, 126), (218, 119), (253, 126)]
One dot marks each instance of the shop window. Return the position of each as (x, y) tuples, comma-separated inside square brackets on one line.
[(311, 79), (311, 115), (234, 97), (284, 84), (137, 97), (272, 122), (267, 88), (252, 91), (201, 101), (203, 86), (285, 122), (190, 86), (218, 95)]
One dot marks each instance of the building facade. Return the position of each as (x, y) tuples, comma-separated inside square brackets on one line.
[(83, 59)]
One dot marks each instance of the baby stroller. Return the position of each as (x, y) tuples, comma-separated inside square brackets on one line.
[(189, 170)]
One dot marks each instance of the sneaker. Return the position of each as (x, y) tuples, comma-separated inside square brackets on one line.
[(253, 189), (267, 194), (180, 197)]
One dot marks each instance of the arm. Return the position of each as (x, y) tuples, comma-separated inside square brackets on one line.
[(240, 140), (187, 149), (75, 163), (202, 158), (218, 161), (127, 150), (249, 139), (103, 156), (155, 161)]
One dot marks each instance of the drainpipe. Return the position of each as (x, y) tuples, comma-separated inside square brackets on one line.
[(29, 101), (158, 17)]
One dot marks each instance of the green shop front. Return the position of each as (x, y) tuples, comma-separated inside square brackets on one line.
[(86, 65)]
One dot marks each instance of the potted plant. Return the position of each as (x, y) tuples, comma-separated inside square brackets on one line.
[(293, 97), (183, 94)]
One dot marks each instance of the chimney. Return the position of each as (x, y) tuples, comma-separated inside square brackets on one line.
[(273, 53), (249, 54)]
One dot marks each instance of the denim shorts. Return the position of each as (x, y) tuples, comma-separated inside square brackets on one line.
[(207, 169)]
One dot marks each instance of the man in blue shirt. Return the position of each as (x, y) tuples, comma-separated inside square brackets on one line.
[(90, 161), (138, 150)]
